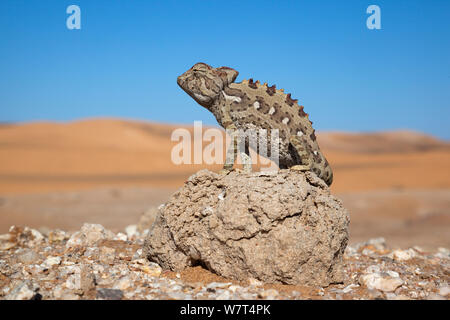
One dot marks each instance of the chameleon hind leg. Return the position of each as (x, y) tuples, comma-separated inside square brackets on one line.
[(302, 152)]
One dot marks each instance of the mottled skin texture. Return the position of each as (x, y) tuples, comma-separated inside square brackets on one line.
[(251, 105)]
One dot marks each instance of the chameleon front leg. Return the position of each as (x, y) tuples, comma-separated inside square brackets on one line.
[(303, 154), (232, 151), (245, 156)]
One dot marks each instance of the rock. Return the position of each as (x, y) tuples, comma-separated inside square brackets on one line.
[(216, 285), (107, 255), (444, 291), (254, 282), (123, 284), (28, 257), (21, 292), (403, 255), (56, 236), (51, 261), (349, 288), (152, 269), (147, 219), (443, 253), (6, 245), (277, 228), (121, 236), (132, 231), (381, 281), (269, 294), (89, 235), (434, 296)]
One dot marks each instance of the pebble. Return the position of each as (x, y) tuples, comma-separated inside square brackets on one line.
[(444, 291), (132, 231), (28, 257), (403, 255), (20, 292), (269, 294), (89, 235), (380, 281), (123, 284), (349, 288), (56, 236), (121, 236), (52, 261)]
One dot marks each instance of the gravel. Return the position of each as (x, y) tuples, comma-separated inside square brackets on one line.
[(95, 263)]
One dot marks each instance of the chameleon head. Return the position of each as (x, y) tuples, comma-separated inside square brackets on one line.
[(204, 83)]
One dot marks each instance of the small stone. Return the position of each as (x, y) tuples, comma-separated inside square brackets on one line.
[(373, 269), (123, 284), (380, 281), (217, 285), (403, 255), (434, 296), (5, 237), (107, 255), (73, 282), (132, 231), (349, 288), (28, 257), (20, 292), (36, 235), (121, 236), (226, 295), (57, 236), (443, 253), (254, 282), (153, 269), (367, 252), (375, 294), (444, 291), (6, 245), (138, 254), (269, 294), (402, 297), (378, 243), (52, 261), (89, 235)]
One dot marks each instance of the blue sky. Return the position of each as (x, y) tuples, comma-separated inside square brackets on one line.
[(125, 59)]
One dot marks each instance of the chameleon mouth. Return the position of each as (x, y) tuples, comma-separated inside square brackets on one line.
[(203, 100)]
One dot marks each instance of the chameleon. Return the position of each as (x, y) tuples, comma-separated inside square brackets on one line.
[(252, 105)]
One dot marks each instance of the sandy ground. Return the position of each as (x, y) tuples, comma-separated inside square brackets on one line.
[(395, 184)]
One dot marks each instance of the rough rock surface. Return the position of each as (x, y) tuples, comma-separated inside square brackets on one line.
[(278, 227), (38, 266)]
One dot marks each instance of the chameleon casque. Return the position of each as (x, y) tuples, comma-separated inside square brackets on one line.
[(251, 105)]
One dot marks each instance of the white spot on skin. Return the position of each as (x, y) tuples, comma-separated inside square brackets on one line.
[(299, 133), (285, 120), (256, 105), (272, 111), (315, 152), (232, 98)]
